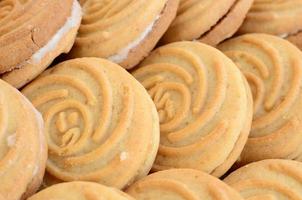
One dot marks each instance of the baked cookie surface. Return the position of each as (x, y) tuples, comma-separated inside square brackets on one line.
[(80, 191), (277, 17), (207, 21), (100, 123), (32, 34), (204, 106), (273, 68), (268, 179), (123, 31), (23, 149), (181, 184)]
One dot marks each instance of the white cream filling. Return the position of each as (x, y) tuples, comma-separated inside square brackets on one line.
[(284, 35), (123, 53), (72, 21)]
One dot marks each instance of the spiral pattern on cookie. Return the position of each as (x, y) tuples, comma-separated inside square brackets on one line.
[(90, 109), (25, 28), (22, 145), (82, 190), (105, 31), (182, 184), (278, 17), (273, 68), (268, 179), (188, 83)]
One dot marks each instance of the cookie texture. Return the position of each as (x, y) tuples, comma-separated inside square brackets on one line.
[(23, 149), (268, 179), (277, 17), (99, 121), (182, 184), (32, 34), (207, 21), (296, 39), (273, 68), (204, 106), (123, 31), (80, 191)]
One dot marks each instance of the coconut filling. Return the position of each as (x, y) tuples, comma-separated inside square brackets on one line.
[(123, 53), (72, 21)]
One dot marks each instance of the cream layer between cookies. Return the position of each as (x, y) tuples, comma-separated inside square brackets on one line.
[(123, 53), (71, 22)]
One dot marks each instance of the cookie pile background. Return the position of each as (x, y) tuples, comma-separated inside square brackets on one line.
[(147, 100)]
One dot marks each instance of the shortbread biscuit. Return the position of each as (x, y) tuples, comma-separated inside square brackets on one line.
[(268, 179), (32, 34), (100, 123), (273, 68), (123, 31), (207, 21), (181, 184), (80, 191), (23, 149), (204, 106), (277, 17)]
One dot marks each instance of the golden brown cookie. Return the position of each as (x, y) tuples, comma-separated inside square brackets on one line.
[(181, 184), (80, 191), (204, 106), (273, 68), (100, 123), (207, 21), (23, 149), (277, 17), (268, 180), (123, 31), (32, 34)]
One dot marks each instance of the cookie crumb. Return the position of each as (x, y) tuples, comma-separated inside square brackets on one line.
[(123, 156), (11, 140)]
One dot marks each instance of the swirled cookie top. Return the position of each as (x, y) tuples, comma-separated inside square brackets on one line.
[(25, 28), (22, 145), (115, 25), (202, 103), (80, 191), (196, 17), (273, 68), (268, 179), (98, 120), (182, 184), (277, 17)]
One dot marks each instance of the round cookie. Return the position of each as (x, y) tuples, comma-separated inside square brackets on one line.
[(23, 149), (32, 34), (273, 68), (123, 31), (181, 184), (204, 106), (268, 179), (207, 21), (100, 123), (277, 17), (80, 191)]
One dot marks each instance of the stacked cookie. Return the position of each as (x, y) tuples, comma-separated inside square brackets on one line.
[(210, 107)]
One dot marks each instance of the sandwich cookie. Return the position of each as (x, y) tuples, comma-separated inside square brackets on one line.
[(281, 18), (32, 34), (182, 184), (207, 21), (23, 148), (268, 179), (273, 68), (204, 105), (80, 191), (100, 123), (123, 31)]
